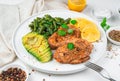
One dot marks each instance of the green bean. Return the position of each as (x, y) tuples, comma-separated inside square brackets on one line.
[(48, 16), (31, 25), (35, 25), (55, 27), (50, 20), (41, 29), (40, 25), (47, 24), (67, 20), (50, 31)]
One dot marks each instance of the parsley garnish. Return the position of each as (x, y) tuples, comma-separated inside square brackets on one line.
[(70, 46), (73, 22), (64, 26), (61, 32), (70, 31), (104, 24)]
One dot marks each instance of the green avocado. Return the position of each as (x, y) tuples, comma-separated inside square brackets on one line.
[(37, 46), (46, 57)]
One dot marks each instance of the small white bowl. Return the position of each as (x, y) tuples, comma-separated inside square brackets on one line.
[(5, 68), (107, 34), (102, 13)]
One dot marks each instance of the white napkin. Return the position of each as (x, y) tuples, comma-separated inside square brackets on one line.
[(12, 15), (10, 18)]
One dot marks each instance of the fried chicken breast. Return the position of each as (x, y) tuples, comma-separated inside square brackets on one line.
[(56, 40), (80, 53)]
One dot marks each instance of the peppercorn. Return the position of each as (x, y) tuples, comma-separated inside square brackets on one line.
[(13, 74), (115, 35)]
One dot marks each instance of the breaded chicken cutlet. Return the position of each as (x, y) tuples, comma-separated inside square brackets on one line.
[(80, 53), (56, 40)]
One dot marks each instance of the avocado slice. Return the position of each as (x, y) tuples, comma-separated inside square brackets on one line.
[(37, 46), (46, 57)]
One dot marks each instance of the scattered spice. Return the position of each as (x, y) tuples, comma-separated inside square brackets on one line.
[(29, 73), (33, 70), (49, 75), (13, 74), (97, 41), (109, 48), (43, 79), (113, 51), (115, 35)]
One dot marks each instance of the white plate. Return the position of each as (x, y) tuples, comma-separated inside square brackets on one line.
[(53, 66)]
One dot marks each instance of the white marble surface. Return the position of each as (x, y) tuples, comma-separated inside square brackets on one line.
[(111, 61)]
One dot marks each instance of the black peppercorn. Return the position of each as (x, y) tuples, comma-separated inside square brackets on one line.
[(13, 74)]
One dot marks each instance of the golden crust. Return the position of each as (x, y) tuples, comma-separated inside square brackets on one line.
[(80, 53), (56, 40)]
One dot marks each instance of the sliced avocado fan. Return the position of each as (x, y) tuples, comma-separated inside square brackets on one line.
[(37, 46)]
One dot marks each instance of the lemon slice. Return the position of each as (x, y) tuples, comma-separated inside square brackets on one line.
[(89, 30), (76, 5), (83, 23), (90, 34)]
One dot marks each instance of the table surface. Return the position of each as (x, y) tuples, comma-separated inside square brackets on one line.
[(111, 61)]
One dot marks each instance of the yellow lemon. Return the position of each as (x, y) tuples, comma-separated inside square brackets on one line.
[(83, 23), (90, 34), (76, 5), (89, 30)]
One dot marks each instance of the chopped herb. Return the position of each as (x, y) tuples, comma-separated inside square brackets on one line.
[(70, 46), (104, 24), (70, 31), (73, 22), (107, 27), (64, 26), (61, 32)]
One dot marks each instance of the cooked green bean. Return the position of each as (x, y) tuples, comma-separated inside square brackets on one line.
[(47, 25)]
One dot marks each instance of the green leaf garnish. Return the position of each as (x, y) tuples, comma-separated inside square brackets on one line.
[(70, 31), (61, 32), (64, 26), (73, 22), (104, 24), (106, 27), (70, 46)]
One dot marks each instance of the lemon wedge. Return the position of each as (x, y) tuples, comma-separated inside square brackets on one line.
[(90, 34), (76, 5), (83, 23), (89, 30)]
